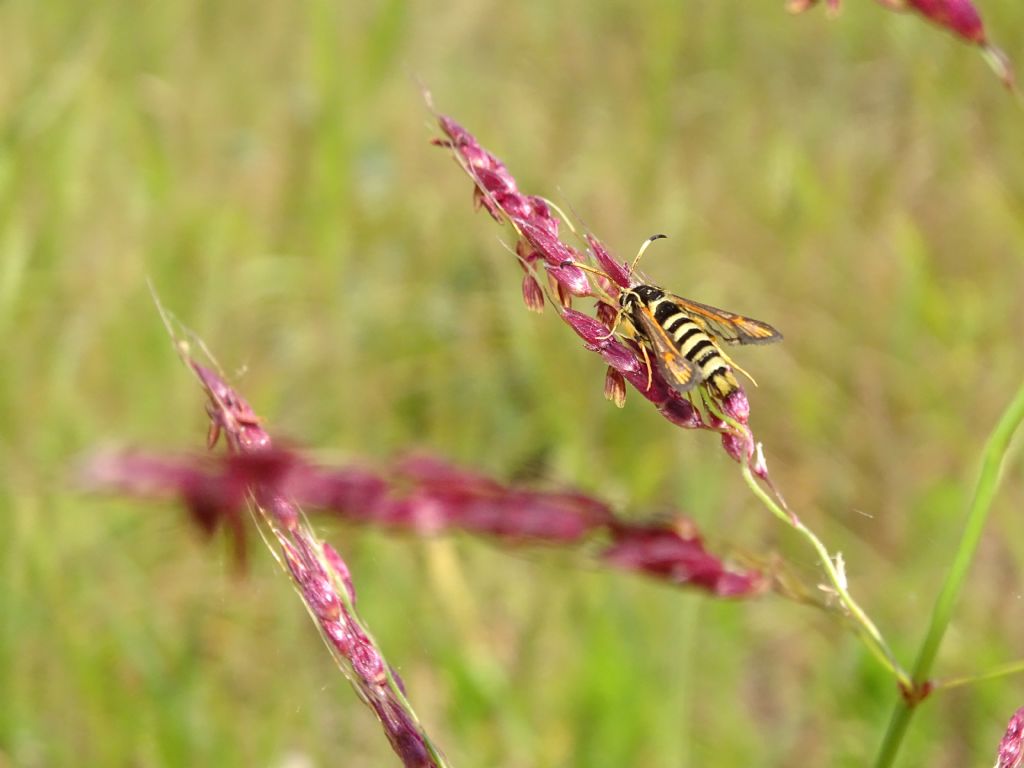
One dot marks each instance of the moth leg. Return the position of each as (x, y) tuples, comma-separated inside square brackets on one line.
[(650, 370), (732, 363)]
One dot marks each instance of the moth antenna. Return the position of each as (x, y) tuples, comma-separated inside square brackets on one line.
[(644, 247), (575, 217), (586, 268), (562, 214)]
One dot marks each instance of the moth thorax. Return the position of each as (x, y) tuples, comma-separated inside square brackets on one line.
[(639, 294)]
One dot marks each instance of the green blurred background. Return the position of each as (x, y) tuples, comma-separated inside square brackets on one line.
[(859, 183)]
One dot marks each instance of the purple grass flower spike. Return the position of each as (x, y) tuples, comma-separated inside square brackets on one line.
[(1011, 748), (538, 244)]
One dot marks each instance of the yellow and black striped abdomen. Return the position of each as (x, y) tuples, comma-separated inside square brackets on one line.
[(696, 346)]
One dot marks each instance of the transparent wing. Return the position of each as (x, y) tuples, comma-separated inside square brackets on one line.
[(680, 372), (727, 326)]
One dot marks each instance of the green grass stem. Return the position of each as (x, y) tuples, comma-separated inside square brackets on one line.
[(942, 613)]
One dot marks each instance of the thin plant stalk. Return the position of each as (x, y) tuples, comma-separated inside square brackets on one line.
[(988, 483), (866, 628), (1003, 670)]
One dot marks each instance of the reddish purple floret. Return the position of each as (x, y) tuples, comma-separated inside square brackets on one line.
[(341, 569), (616, 270), (533, 295), (615, 387), (403, 734), (739, 446), (736, 406), (572, 277)]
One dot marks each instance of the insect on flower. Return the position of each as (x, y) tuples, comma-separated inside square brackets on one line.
[(684, 335)]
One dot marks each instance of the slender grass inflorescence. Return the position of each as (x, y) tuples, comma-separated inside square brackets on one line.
[(321, 577), (319, 573), (426, 496), (539, 248)]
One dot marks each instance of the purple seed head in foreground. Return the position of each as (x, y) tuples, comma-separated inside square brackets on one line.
[(425, 496), (321, 576)]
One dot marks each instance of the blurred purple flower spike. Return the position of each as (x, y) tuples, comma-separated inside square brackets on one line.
[(960, 17), (425, 496), (254, 469), (675, 553), (1011, 748)]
